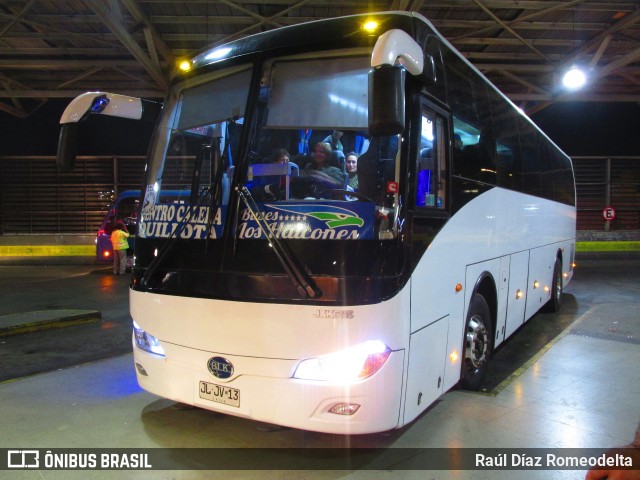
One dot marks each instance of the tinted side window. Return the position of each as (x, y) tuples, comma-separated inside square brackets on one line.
[(469, 102), (530, 160), (508, 152), (564, 182)]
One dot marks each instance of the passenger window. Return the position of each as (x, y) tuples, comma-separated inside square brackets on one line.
[(431, 165)]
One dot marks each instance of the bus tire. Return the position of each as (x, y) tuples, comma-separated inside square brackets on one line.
[(477, 344), (555, 302)]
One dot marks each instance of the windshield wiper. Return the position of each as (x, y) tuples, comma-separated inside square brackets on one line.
[(301, 280)]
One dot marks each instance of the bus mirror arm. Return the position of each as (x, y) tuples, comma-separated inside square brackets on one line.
[(67, 147), (102, 103)]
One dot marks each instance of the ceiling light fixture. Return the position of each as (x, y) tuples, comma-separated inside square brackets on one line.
[(574, 78)]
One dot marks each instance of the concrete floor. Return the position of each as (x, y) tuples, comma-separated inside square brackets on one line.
[(583, 391)]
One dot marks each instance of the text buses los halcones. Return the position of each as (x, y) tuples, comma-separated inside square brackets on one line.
[(278, 292)]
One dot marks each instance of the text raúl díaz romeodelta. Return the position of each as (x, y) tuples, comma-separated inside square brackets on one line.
[(551, 460)]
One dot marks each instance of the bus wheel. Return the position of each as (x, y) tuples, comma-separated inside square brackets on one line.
[(554, 303), (478, 338)]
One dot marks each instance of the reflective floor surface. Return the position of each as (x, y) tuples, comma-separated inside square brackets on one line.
[(581, 389)]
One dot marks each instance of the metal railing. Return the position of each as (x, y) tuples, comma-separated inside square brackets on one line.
[(36, 198), (612, 181)]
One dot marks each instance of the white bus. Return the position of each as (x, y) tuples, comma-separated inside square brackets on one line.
[(285, 292)]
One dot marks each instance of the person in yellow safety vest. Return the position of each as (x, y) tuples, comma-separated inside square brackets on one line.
[(120, 244)]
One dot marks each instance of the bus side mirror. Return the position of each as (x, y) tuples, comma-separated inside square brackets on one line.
[(67, 147), (386, 100)]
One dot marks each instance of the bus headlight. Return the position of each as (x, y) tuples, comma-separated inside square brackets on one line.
[(145, 341), (353, 363)]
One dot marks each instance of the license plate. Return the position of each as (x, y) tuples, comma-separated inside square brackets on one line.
[(219, 394)]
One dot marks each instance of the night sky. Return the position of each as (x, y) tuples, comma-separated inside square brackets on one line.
[(578, 128)]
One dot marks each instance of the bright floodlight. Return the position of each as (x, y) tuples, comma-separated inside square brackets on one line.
[(574, 79)]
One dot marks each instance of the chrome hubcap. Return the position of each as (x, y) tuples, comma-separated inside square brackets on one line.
[(477, 342)]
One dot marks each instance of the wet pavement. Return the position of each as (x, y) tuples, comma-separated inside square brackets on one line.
[(577, 390), (58, 292)]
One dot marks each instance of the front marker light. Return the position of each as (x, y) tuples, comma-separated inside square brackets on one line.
[(147, 342), (353, 363)]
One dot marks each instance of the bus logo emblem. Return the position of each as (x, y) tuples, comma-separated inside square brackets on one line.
[(220, 367)]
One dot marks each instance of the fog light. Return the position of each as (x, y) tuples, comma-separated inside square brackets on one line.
[(141, 370), (344, 408)]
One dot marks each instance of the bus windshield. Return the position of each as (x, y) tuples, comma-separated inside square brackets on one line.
[(312, 167), (195, 149), (305, 171)]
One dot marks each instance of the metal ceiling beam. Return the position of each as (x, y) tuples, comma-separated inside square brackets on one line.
[(151, 47), (150, 93), (17, 18), (16, 112), (17, 106), (436, 4), (581, 97), (626, 22), (273, 17), (510, 30), (86, 74), (533, 5), (601, 49), (510, 42), (112, 22), (616, 64), (62, 51), (141, 17), (60, 64), (520, 21), (481, 25), (45, 31), (613, 67), (630, 78), (522, 81), (258, 17), (502, 57)]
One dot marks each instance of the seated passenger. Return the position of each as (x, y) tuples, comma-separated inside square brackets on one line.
[(334, 140), (352, 170), (279, 155), (269, 188), (320, 169)]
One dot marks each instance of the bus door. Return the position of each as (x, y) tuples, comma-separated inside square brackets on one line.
[(431, 165), (429, 320), (429, 156)]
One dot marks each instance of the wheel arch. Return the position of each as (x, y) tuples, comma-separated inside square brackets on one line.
[(486, 286), (559, 255)]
